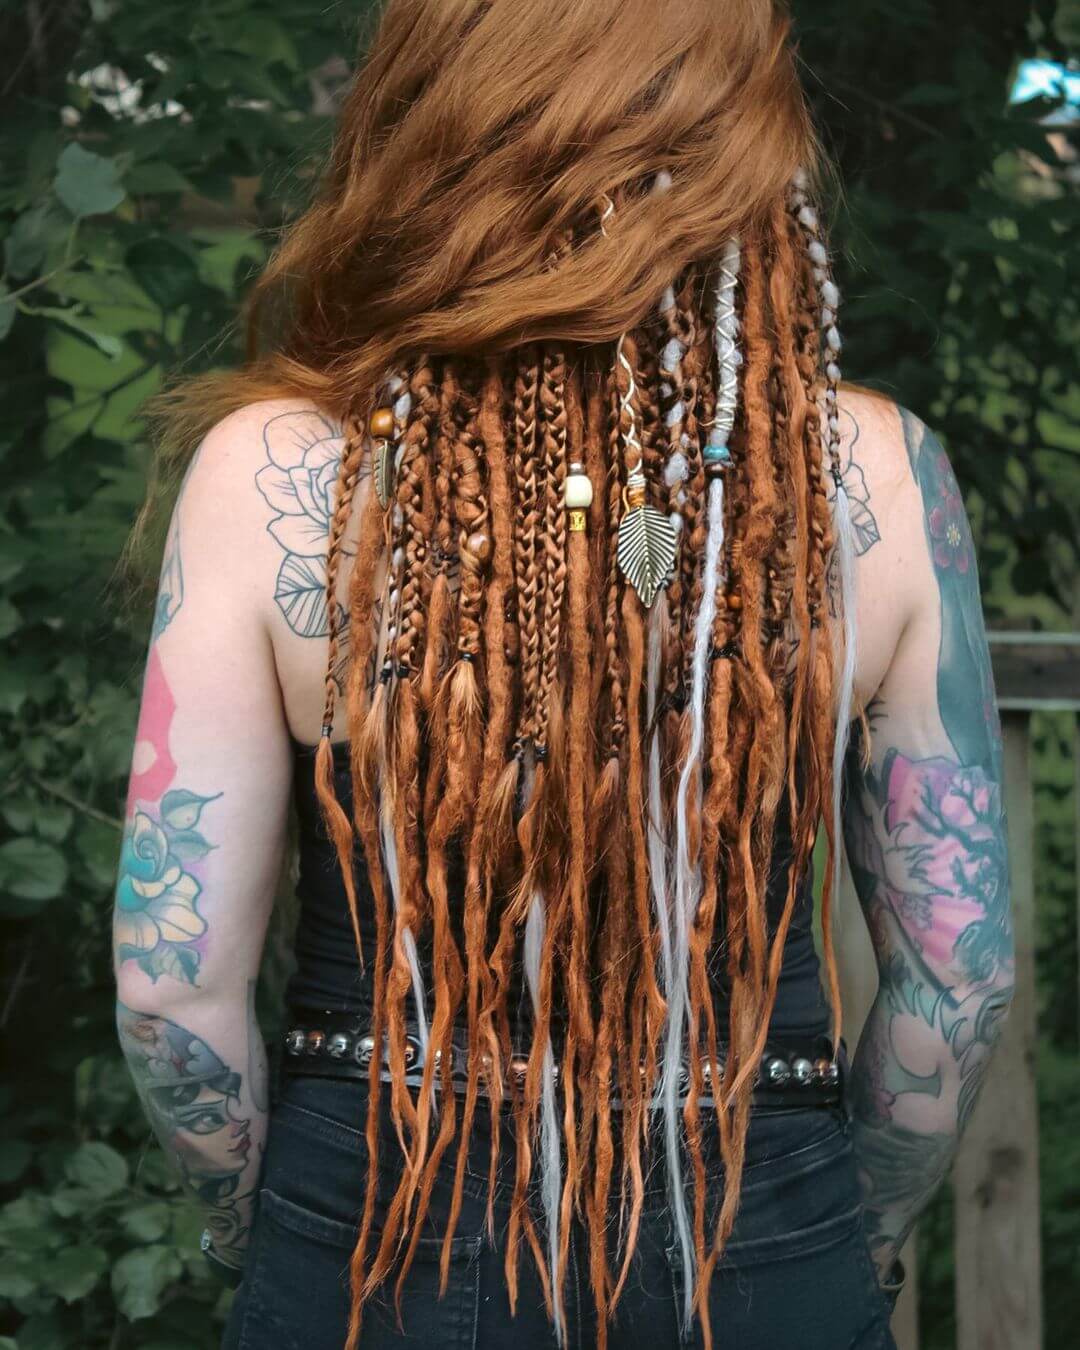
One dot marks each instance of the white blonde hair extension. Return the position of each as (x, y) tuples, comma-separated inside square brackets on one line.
[(687, 870)]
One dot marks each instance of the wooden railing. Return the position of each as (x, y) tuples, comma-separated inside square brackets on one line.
[(998, 1259)]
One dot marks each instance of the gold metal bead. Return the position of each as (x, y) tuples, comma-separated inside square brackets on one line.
[(382, 422), (577, 521)]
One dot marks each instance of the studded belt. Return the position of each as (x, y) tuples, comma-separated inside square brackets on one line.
[(794, 1072)]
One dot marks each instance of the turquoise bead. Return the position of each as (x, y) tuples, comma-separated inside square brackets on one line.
[(716, 452)]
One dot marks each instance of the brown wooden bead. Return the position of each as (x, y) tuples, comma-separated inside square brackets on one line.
[(382, 422), (479, 545), (734, 600)]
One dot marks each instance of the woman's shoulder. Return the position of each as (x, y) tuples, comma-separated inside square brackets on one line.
[(266, 469)]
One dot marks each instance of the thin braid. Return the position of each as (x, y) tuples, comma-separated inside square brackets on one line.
[(553, 403), (337, 822), (528, 480)]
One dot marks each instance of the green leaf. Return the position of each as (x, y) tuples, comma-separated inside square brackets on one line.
[(165, 271), (180, 809), (105, 342), (140, 1278), (147, 1223), (7, 309), (87, 184), (13, 557), (155, 175), (97, 1167), (53, 820), (223, 255), (97, 844), (68, 1201), (25, 246), (28, 1223), (15, 1284), (43, 1331), (31, 870), (14, 689), (74, 1271), (10, 618)]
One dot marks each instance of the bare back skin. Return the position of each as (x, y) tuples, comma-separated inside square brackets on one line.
[(237, 668)]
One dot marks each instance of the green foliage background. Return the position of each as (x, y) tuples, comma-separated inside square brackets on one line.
[(149, 153)]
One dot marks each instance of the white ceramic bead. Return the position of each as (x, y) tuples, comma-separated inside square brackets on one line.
[(832, 370), (578, 491), (832, 339)]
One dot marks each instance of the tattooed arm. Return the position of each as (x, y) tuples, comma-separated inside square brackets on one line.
[(203, 836), (925, 836)]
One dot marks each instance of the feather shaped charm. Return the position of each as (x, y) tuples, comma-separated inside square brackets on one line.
[(647, 546), (384, 471)]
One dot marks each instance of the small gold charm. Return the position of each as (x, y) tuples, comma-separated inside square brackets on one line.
[(384, 471)]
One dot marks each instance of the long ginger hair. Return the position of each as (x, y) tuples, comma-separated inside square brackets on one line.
[(520, 274)]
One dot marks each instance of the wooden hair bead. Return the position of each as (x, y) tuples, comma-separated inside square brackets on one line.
[(734, 600), (382, 422)]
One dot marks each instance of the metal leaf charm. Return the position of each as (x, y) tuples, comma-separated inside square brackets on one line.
[(384, 472), (646, 551)]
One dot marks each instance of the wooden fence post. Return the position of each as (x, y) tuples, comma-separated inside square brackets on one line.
[(998, 1257)]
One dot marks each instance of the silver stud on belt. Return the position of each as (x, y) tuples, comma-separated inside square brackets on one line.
[(777, 1071)]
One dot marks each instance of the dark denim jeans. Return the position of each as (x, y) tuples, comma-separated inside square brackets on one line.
[(796, 1275)]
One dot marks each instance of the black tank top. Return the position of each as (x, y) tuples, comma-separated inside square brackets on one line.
[(328, 974)]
